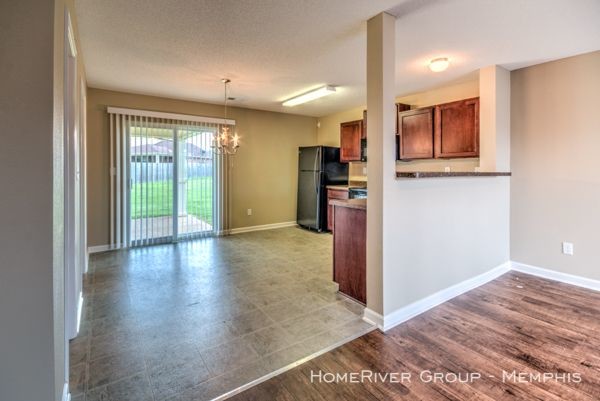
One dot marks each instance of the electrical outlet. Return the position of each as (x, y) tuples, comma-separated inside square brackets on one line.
[(249, 212), (567, 248), (364, 171), (447, 169)]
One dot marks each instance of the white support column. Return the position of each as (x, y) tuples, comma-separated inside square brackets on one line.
[(494, 118), (381, 150)]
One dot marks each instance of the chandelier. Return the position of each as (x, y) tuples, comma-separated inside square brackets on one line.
[(224, 142)]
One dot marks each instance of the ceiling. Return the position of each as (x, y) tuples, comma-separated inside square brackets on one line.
[(275, 49)]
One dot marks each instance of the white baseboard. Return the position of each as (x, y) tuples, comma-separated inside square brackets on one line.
[(99, 248), (66, 396), (416, 308), (374, 318), (262, 227), (566, 278), (104, 248)]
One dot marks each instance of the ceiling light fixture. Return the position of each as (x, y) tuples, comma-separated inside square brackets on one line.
[(224, 142), (439, 64), (309, 96)]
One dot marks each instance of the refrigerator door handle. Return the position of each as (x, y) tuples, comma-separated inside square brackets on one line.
[(317, 177)]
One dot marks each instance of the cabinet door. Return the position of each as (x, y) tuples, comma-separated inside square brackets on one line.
[(350, 134), (350, 252), (415, 134), (457, 129), (333, 194)]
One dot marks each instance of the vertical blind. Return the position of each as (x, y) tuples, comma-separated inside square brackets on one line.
[(166, 184)]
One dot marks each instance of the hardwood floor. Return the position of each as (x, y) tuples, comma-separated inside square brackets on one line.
[(507, 331)]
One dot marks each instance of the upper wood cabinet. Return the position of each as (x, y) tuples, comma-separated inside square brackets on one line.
[(415, 134), (457, 129), (364, 126), (444, 131), (350, 135)]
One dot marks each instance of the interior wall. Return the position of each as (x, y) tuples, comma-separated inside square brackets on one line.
[(438, 232), (441, 231), (32, 341), (265, 169), (555, 189)]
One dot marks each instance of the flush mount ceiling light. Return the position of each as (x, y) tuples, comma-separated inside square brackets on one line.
[(439, 64), (309, 96)]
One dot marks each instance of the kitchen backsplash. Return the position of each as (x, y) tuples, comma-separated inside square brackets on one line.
[(357, 171)]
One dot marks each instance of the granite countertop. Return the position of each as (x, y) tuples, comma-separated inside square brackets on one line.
[(350, 203), (436, 174)]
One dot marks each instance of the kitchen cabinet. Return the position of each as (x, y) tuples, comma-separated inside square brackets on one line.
[(444, 131), (415, 134), (334, 194), (351, 133), (364, 125), (350, 248), (456, 132)]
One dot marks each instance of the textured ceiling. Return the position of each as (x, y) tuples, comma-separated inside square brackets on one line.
[(275, 49)]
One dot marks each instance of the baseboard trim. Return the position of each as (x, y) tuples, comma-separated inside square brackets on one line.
[(416, 308), (99, 248), (374, 318), (239, 230), (566, 278), (273, 226), (66, 396)]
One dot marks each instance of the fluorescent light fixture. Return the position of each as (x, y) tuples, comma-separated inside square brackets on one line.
[(309, 96), (439, 64)]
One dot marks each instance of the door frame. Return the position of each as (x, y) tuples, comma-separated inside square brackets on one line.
[(74, 218)]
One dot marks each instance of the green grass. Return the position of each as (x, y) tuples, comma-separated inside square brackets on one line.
[(159, 196)]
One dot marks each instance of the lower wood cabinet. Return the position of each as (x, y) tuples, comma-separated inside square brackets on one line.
[(350, 252), (333, 194)]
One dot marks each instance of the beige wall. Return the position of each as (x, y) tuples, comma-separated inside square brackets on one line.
[(440, 232), (32, 341), (555, 191), (264, 173)]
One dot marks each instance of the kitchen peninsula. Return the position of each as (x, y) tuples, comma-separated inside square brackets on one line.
[(350, 247)]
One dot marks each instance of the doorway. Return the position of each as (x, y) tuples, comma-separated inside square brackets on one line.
[(171, 182)]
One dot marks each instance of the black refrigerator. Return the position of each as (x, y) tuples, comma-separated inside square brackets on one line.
[(318, 166)]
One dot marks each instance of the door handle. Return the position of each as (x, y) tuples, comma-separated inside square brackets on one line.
[(317, 178)]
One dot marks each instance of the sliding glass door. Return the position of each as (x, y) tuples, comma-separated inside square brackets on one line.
[(171, 181), (194, 171)]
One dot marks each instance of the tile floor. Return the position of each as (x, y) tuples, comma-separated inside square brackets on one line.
[(198, 319)]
